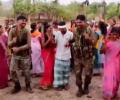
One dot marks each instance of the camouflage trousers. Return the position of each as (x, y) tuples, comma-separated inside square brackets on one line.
[(83, 69), (20, 64)]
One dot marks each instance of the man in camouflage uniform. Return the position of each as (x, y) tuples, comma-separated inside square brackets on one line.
[(83, 54), (19, 43)]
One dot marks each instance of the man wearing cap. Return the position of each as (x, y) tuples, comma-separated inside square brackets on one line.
[(83, 54), (63, 39), (19, 43)]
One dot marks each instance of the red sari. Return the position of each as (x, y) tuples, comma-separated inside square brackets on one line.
[(48, 54), (4, 70)]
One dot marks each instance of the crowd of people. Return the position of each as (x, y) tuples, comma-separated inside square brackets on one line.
[(87, 48)]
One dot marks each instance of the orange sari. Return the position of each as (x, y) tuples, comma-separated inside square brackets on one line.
[(36, 33)]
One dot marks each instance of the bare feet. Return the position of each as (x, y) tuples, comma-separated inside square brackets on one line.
[(45, 87)]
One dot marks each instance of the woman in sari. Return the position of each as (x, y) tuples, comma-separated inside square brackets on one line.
[(37, 62), (4, 70), (111, 76), (48, 54)]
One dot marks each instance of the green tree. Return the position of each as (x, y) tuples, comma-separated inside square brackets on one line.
[(93, 10), (56, 11), (112, 10), (23, 7)]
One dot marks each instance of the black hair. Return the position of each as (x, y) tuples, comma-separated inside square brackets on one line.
[(45, 30), (103, 27), (33, 27), (46, 26), (21, 18), (81, 17), (115, 30), (62, 23)]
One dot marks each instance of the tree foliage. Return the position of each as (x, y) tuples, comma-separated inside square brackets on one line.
[(55, 10), (112, 10), (23, 7)]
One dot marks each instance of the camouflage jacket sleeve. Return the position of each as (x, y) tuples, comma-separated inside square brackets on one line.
[(92, 37)]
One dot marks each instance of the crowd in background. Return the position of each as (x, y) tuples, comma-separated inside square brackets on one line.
[(51, 50)]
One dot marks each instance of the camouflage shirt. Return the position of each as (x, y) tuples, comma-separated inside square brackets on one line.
[(22, 39), (83, 47)]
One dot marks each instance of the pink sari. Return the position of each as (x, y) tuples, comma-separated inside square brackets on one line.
[(37, 61), (111, 77), (4, 70)]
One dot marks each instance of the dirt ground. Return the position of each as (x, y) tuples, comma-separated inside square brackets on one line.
[(95, 92)]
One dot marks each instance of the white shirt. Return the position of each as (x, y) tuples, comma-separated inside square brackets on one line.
[(62, 52)]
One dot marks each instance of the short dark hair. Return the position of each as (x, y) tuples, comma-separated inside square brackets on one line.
[(21, 17), (81, 17), (62, 23)]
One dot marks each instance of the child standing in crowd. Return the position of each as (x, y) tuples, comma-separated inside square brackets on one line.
[(37, 62), (63, 39), (4, 70), (48, 54), (111, 76)]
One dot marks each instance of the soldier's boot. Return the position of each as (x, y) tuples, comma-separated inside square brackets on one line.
[(79, 83), (86, 84), (86, 89), (28, 88), (17, 88), (80, 92)]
